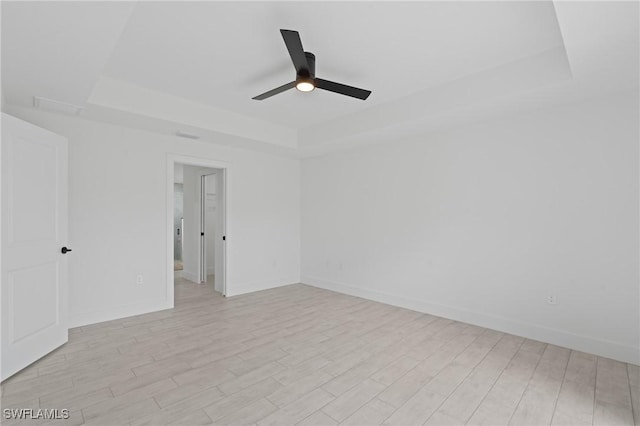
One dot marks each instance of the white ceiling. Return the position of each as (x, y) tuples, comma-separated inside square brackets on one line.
[(223, 54), (171, 66), (57, 50)]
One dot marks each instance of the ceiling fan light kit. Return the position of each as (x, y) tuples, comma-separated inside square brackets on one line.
[(305, 65), (305, 85)]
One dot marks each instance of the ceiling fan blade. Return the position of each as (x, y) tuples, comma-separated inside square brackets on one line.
[(342, 89), (275, 91), (294, 46)]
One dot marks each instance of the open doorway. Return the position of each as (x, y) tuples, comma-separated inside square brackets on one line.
[(198, 224)]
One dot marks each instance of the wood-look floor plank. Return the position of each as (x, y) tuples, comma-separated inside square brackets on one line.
[(374, 412), (612, 394), (634, 389), (291, 392), (575, 402), (504, 396), (350, 401), (318, 418), (229, 405), (303, 355), (299, 409), (185, 395), (173, 416), (539, 399), (249, 414), (462, 403)]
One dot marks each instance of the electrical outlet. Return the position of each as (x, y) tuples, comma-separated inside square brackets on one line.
[(139, 279), (551, 300)]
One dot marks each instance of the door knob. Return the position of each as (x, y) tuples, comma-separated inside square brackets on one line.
[(65, 250)]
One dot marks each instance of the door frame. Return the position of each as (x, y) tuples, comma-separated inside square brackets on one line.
[(172, 159)]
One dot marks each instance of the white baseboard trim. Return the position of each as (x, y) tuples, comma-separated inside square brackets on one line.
[(190, 276), (118, 312), (557, 337), (244, 288)]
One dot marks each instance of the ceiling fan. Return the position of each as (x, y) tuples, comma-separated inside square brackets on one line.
[(305, 65)]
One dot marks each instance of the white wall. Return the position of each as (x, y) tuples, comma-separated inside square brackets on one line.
[(482, 223), (478, 224), (117, 216)]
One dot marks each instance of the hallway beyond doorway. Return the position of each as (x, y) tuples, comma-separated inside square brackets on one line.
[(198, 224)]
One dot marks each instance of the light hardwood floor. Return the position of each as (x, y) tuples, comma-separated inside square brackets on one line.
[(302, 355)]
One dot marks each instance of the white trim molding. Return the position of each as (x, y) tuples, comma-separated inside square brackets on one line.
[(118, 312), (259, 286)]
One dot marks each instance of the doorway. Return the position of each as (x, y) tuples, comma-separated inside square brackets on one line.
[(196, 251)]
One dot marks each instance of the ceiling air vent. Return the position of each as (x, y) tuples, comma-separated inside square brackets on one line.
[(56, 106), (187, 135)]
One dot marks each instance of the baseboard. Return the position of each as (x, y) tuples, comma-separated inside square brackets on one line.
[(190, 276), (244, 288), (118, 312), (557, 337)]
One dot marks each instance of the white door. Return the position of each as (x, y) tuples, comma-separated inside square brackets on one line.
[(202, 261), (34, 231), (221, 231)]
